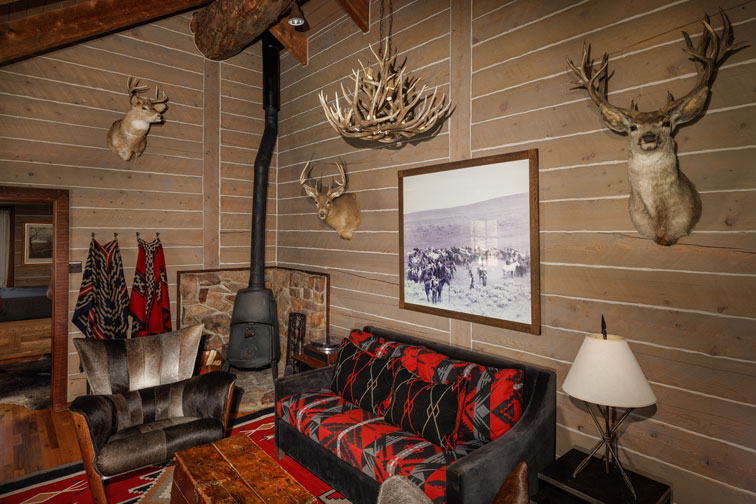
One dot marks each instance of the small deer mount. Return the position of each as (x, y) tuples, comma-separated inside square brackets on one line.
[(338, 210), (128, 135), (664, 204)]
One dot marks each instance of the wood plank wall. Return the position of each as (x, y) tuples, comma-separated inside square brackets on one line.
[(36, 274), (687, 310), (55, 112)]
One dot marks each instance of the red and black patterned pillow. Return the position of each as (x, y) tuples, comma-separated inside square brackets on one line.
[(492, 404), (431, 411), (362, 379)]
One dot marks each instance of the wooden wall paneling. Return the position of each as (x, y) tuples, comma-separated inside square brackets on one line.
[(211, 178), (684, 309)]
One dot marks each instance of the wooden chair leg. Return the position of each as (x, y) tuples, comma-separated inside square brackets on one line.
[(280, 453), (96, 484)]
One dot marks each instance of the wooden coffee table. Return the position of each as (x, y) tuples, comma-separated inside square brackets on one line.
[(233, 470)]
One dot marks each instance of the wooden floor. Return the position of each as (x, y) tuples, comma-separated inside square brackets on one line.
[(34, 440)]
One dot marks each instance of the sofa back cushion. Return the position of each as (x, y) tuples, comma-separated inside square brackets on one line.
[(120, 366), (493, 399), (429, 410), (363, 379)]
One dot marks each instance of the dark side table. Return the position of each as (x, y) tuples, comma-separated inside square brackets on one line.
[(593, 485)]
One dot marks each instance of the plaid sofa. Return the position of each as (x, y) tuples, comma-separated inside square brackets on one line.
[(355, 450)]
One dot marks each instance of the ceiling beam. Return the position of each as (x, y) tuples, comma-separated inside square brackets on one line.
[(30, 35), (360, 12), (293, 40), (225, 27)]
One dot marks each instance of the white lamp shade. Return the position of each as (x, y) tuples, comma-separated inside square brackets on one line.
[(605, 372)]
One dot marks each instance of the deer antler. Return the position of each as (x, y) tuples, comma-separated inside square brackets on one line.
[(340, 186), (133, 86), (596, 90), (712, 50), (162, 99), (303, 179)]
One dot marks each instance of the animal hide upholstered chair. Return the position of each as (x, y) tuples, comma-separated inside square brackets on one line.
[(146, 405)]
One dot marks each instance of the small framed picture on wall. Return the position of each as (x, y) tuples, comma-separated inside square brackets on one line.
[(469, 240), (38, 243)]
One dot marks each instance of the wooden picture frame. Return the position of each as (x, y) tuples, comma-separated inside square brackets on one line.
[(469, 240), (38, 243)]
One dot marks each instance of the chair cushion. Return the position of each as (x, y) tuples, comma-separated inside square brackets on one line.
[(432, 411), (154, 442), (120, 366), (306, 411)]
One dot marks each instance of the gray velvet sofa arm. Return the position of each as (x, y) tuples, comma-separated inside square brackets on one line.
[(99, 412), (478, 476), (301, 382), (208, 395)]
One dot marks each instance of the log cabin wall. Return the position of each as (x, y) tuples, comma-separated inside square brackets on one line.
[(687, 310), (55, 112)]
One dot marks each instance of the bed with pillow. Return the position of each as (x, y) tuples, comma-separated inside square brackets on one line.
[(25, 322), (453, 421)]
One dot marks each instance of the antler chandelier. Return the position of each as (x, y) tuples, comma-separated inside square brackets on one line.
[(385, 105)]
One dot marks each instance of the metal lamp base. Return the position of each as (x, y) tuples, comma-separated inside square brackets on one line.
[(609, 439)]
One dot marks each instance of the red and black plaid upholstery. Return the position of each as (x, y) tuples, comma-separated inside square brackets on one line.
[(371, 444), (363, 379), (430, 410)]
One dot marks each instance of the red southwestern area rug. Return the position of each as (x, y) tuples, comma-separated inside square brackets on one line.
[(68, 484)]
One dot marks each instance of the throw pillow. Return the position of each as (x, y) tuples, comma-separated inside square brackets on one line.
[(493, 403), (431, 411), (362, 379)]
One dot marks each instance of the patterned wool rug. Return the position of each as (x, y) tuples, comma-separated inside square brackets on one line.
[(68, 484)]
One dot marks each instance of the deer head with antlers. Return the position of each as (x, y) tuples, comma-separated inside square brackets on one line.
[(342, 213), (664, 204), (128, 135)]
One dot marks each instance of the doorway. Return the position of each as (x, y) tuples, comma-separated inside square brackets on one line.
[(35, 253)]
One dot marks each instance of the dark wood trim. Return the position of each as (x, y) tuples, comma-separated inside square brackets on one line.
[(311, 272), (12, 252), (59, 198), (534, 327), (33, 34), (359, 11)]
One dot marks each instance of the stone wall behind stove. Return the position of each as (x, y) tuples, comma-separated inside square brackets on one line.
[(208, 297)]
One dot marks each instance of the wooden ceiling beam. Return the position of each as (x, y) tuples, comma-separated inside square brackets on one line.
[(359, 10), (293, 40), (225, 27), (33, 34)]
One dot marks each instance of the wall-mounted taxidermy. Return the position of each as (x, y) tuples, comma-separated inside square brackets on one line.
[(128, 136), (664, 204), (342, 213)]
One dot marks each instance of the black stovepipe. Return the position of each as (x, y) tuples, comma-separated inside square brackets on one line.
[(271, 88)]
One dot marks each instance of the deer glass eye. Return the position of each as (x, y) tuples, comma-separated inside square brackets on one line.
[(144, 108), (666, 124), (633, 127)]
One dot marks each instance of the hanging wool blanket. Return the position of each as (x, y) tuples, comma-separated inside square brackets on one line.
[(149, 306), (102, 308)]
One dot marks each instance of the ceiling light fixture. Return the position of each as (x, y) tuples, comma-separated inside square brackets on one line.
[(296, 18)]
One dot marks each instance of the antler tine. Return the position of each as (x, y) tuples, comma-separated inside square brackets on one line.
[(132, 84), (161, 99), (587, 79), (303, 178), (340, 185)]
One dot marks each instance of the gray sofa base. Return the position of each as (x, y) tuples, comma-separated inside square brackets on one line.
[(473, 479)]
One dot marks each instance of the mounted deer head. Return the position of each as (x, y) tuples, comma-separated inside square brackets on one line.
[(664, 204), (341, 213), (128, 136)]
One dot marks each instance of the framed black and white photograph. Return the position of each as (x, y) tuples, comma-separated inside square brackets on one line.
[(469, 240), (38, 243)]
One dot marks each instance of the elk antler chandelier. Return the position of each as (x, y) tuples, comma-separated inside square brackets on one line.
[(385, 105)]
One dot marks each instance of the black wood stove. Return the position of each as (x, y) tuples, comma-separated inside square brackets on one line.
[(254, 340)]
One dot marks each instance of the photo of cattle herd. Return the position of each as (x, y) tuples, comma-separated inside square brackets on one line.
[(472, 259)]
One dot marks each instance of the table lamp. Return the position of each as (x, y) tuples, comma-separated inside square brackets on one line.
[(606, 373)]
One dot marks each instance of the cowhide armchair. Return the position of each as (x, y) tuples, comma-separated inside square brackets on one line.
[(146, 405)]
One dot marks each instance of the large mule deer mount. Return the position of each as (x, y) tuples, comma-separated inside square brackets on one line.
[(338, 210), (128, 135), (664, 204)]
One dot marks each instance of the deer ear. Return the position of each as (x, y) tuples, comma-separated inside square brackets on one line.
[(615, 120), (310, 192), (690, 108), (160, 107), (134, 100)]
